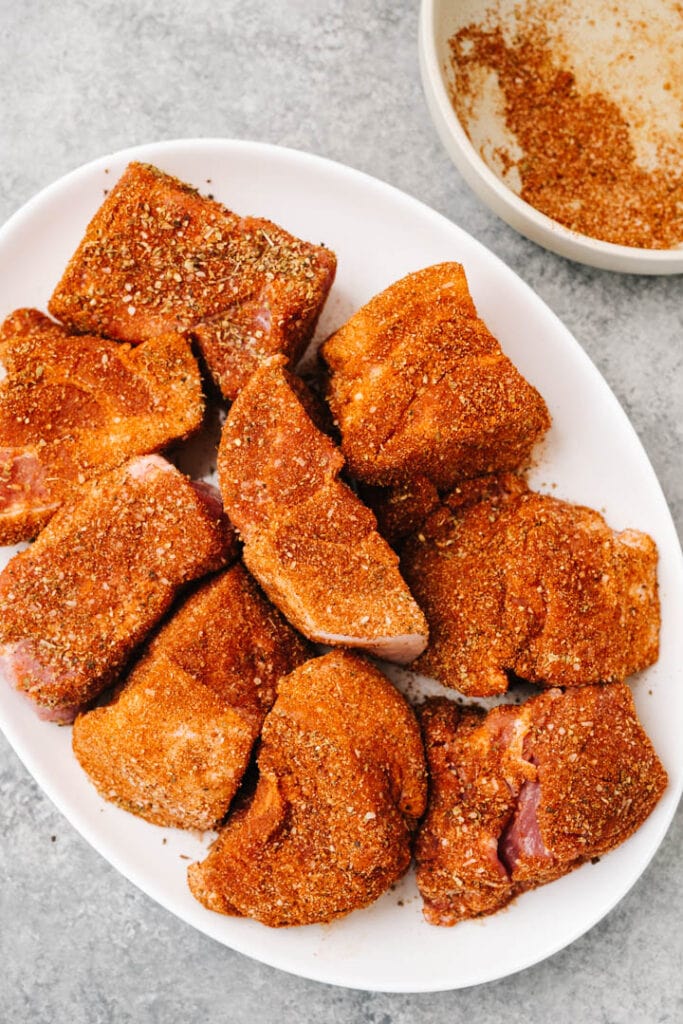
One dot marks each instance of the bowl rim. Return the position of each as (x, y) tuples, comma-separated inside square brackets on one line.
[(519, 214)]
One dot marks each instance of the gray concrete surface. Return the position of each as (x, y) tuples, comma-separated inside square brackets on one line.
[(78, 943)]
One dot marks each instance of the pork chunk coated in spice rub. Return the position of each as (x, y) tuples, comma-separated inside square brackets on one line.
[(159, 257), (174, 743), (103, 572), (328, 828), (310, 542), (400, 510), (420, 387), (522, 795), (521, 582), (74, 406)]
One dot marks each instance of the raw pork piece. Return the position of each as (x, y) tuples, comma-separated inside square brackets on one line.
[(341, 786), (103, 572), (515, 581), (159, 257), (175, 741), (75, 406), (310, 542), (400, 510), (524, 794), (420, 387)]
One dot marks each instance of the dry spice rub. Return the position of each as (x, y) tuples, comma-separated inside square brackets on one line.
[(159, 257), (578, 162)]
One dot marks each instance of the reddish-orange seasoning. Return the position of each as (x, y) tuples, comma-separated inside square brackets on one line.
[(579, 163)]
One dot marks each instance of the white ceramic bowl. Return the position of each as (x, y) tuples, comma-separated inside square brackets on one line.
[(439, 20)]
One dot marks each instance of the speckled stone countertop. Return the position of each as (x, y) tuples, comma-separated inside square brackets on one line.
[(78, 942)]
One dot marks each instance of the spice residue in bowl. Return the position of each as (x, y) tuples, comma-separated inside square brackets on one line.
[(589, 106)]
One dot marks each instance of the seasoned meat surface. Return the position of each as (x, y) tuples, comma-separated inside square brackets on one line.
[(420, 387), (174, 743), (75, 406), (512, 580), (522, 795), (159, 257), (309, 541), (341, 785), (400, 510), (100, 576)]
